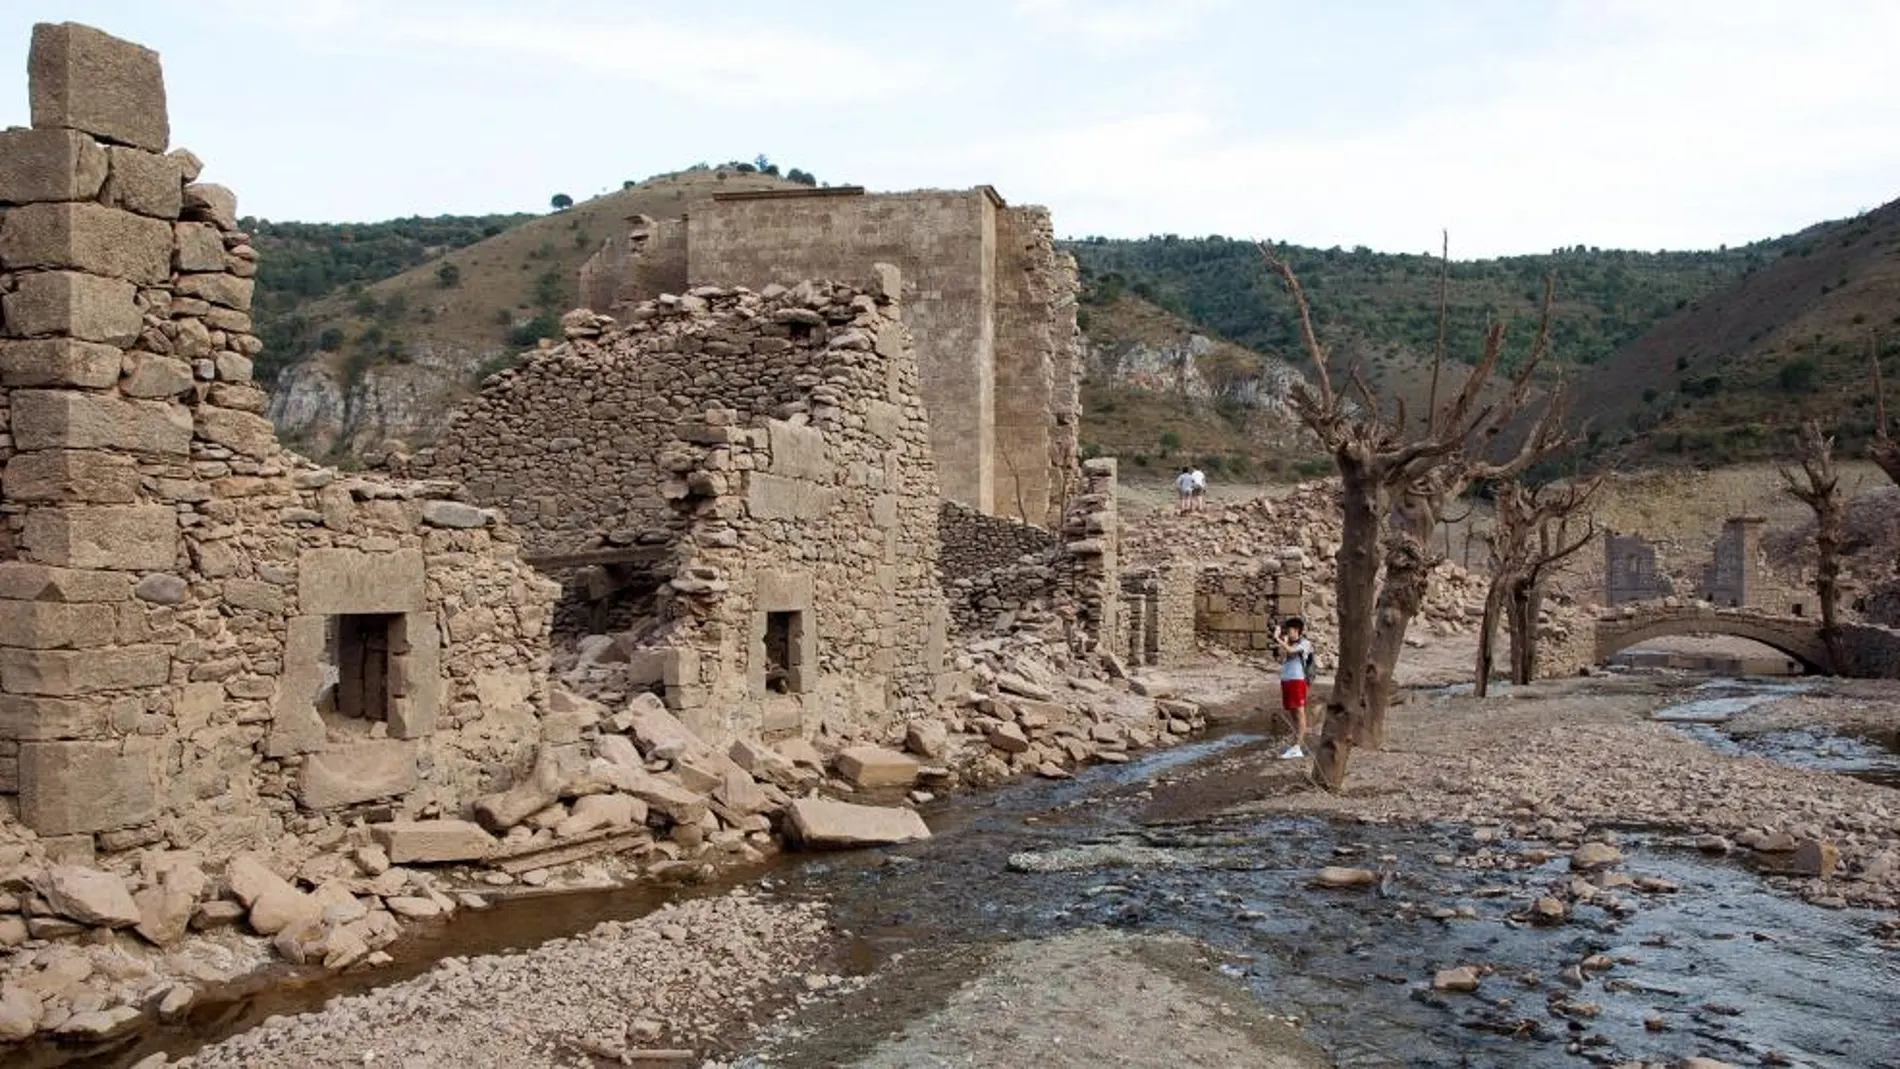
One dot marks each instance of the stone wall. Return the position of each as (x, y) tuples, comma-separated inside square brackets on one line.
[(1239, 610), (208, 640), (776, 445), (974, 543), (1629, 570), (1091, 537), (1158, 607), (988, 298), (1732, 578)]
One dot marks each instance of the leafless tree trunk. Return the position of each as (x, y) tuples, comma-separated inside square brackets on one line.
[(1883, 450), (1395, 481), (1530, 536), (1819, 488)]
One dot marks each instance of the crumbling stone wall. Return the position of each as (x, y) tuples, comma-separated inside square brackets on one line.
[(1091, 537), (1240, 610), (974, 544), (777, 442), (1158, 605), (1629, 570), (989, 299), (178, 594), (1731, 580)]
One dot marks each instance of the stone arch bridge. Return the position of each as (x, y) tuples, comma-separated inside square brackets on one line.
[(1866, 650)]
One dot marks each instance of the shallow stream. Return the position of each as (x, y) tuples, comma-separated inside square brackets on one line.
[(1725, 967)]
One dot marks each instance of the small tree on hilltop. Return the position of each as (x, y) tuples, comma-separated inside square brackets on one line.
[(1530, 536), (561, 202), (1396, 479), (1819, 488)]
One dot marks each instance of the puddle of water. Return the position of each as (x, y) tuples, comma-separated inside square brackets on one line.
[(1731, 696), (1870, 756)]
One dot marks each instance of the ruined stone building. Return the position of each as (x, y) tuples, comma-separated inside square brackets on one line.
[(757, 468), (1629, 570), (203, 637), (1732, 579), (988, 299)]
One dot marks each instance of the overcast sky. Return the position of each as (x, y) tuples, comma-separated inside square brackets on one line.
[(1520, 125)]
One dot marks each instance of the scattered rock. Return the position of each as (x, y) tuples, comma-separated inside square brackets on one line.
[(407, 842), (1813, 857), (820, 822), (875, 766), (1592, 856), (1336, 876), (89, 896), (1462, 979)]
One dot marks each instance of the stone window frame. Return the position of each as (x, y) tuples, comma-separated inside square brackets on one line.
[(776, 593)]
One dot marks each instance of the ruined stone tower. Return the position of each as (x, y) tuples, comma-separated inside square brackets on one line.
[(203, 636), (988, 298)]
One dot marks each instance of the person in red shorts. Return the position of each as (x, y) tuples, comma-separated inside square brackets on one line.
[(1296, 664)]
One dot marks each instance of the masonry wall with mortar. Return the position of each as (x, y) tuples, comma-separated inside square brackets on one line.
[(988, 297), (777, 442), (174, 584)]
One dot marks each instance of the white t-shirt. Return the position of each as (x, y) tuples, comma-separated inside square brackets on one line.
[(1294, 667), (1184, 482), (1199, 477)]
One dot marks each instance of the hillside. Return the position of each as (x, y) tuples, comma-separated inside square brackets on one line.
[(1160, 392), (384, 358), (1729, 375)]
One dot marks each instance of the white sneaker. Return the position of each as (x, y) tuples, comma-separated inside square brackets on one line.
[(1293, 753)]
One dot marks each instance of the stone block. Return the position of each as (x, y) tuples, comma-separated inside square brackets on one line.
[(782, 592), (254, 595), (357, 772), (824, 823), (347, 581), (875, 766), (83, 236), (410, 842), (67, 673), (115, 537), (23, 581), (71, 304), (50, 625), (38, 718), (49, 165), (71, 788), (774, 497), (56, 419), (883, 420), (241, 432), (158, 377), (205, 202), (59, 362), (798, 451), (144, 182), (198, 248), (295, 726), (71, 475), (219, 288), (83, 79)]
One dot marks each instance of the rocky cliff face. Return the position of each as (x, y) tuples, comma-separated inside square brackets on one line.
[(325, 410), (1197, 367)]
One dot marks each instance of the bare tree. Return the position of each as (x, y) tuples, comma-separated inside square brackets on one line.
[(1883, 450), (1532, 534), (1396, 479), (1819, 488)]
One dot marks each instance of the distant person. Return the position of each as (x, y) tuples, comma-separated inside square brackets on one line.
[(1199, 494), (1296, 664), (1184, 491)]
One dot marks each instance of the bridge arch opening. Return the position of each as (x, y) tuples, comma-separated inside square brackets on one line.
[(1712, 652)]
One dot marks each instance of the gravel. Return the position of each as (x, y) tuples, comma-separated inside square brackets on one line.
[(676, 980)]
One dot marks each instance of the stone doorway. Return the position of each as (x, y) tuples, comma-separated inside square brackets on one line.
[(361, 646)]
